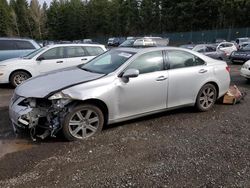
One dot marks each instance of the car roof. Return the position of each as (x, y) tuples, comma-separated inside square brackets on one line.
[(12, 38), (149, 49), (72, 44)]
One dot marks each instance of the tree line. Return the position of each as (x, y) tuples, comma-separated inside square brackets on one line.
[(78, 19)]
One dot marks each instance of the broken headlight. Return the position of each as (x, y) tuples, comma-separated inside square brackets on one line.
[(59, 95)]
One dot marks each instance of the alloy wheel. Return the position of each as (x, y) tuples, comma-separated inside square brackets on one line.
[(84, 123)]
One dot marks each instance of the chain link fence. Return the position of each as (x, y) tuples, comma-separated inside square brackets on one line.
[(206, 36)]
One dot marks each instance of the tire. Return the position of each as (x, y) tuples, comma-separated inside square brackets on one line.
[(81, 127), (206, 98), (18, 77), (248, 80)]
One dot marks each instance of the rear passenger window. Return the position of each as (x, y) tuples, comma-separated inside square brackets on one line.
[(75, 51), (94, 51), (181, 59), (7, 45), (24, 45)]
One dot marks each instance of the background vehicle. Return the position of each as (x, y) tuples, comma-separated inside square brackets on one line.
[(240, 41), (244, 44), (227, 47), (121, 84), (145, 42), (188, 46), (210, 50), (115, 41), (241, 56), (245, 70), (49, 58), (14, 47), (218, 41)]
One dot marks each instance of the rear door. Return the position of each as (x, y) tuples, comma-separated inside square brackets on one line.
[(76, 55), (186, 73)]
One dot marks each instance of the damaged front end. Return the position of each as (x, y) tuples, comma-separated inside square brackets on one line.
[(41, 116)]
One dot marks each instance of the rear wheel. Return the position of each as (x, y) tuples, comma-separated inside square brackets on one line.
[(82, 122), (206, 97), (18, 77)]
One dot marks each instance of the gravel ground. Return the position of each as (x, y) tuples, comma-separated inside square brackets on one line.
[(180, 148)]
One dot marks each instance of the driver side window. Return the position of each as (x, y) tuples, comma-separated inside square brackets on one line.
[(148, 62)]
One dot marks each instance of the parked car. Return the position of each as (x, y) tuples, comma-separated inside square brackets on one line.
[(244, 44), (241, 56), (115, 41), (240, 41), (43, 60), (211, 51), (129, 42), (15, 47), (188, 46), (120, 84), (227, 47), (218, 41), (145, 42), (245, 70)]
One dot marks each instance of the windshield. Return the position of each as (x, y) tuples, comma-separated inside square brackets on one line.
[(34, 53), (107, 62)]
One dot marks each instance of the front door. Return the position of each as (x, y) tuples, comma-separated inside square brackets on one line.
[(148, 91), (52, 59)]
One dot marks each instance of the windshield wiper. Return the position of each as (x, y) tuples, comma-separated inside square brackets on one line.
[(88, 70)]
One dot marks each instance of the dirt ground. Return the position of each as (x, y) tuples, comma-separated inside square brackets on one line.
[(180, 148)]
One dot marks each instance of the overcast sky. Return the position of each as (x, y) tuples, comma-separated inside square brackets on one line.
[(41, 1)]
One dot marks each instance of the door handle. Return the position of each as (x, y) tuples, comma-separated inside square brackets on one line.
[(161, 78), (202, 71), (84, 59), (59, 62)]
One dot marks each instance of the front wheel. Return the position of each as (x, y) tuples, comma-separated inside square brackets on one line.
[(206, 97), (18, 77), (82, 122)]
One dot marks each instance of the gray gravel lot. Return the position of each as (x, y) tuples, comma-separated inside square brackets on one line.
[(180, 148)]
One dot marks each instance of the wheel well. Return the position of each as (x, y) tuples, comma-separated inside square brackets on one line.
[(216, 87), (96, 102), (18, 71)]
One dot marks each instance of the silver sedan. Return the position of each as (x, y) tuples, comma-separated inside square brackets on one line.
[(119, 85)]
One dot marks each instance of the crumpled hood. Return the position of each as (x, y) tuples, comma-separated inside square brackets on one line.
[(43, 85)]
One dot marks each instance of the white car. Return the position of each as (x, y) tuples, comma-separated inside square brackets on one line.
[(227, 47), (245, 70), (46, 59)]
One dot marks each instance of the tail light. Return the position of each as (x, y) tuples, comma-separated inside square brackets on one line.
[(228, 68)]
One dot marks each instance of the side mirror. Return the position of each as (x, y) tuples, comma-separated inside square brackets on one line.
[(130, 73), (40, 58)]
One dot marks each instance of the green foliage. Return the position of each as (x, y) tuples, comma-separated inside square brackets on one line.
[(78, 19), (4, 18)]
